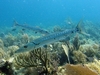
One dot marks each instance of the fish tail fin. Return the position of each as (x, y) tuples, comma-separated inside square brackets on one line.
[(15, 23), (78, 27)]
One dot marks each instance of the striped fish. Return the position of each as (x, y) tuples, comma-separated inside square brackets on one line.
[(50, 38), (35, 29)]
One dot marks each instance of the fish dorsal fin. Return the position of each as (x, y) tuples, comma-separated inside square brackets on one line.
[(78, 27)]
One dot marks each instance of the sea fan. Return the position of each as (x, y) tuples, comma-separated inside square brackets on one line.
[(36, 58), (33, 58)]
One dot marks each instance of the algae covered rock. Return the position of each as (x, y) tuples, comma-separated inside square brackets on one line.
[(70, 69), (78, 70), (79, 57)]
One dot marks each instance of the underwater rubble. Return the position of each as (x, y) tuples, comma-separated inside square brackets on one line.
[(79, 55)]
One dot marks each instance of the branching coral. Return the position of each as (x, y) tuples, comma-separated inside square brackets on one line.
[(9, 40), (79, 57), (36, 58), (60, 52), (25, 38), (76, 43), (12, 49), (90, 50), (31, 59), (75, 55), (2, 53), (46, 60), (81, 53)]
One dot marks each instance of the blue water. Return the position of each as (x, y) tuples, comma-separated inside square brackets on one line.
[(48, 12)]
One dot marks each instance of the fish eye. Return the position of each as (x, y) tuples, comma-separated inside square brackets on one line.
[(25, 46), (72, 32), (77, 30), (46, 31)]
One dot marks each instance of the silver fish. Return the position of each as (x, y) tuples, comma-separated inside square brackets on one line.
[(35, 29), (50, 38)]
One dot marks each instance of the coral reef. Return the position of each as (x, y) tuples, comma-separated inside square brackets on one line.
[(34, 58), (82, 52), (11, 49), (79, 57), (65, 48), (6, 67), (76, 43), (2, 53), (38, 58), (51, 59), (75, 54), (9, 40), (94, 65), (1, 44), (25, 38), (70, 69), (90, 50)]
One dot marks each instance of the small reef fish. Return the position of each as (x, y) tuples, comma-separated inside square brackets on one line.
[(50, 38), (35, 29)]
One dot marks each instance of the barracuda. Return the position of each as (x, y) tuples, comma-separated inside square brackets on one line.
[(35, 29), (50, 38)]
